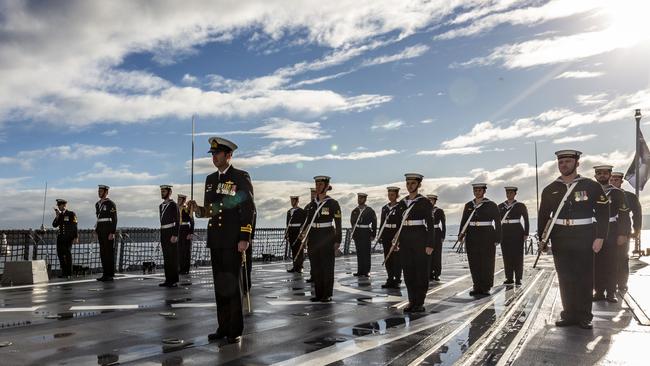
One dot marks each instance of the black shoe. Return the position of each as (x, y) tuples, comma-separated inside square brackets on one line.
[(436, 278), (297, 270), (408, 309), (356, 274), (108, 279), (291, 270), (564, 323), (101, 279), (326, 299), (418, 309), (387, 285), (586, 324), (432, 276), (309, 280), (598, 296), (365, 275), (233, 340), (611, 298), (508, 282), (518, 283), (473, 292), (216, 336), (163, 284), (314, 299)]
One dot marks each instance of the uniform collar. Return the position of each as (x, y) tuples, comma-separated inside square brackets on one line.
[(225, 171), (505, 203), (577, 178)]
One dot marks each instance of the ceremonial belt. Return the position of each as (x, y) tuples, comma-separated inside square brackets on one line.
[(168, 226), (480, 223), (511, 221), (574, 222), (363, 226), (436, 226), (322, 224), (185, 223), (390, 226), (105, 219), (414, 222), (295, 225)]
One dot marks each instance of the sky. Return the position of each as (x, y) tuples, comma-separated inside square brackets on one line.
[(97, 92)]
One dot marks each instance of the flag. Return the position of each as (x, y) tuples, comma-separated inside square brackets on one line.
[(642, 158)]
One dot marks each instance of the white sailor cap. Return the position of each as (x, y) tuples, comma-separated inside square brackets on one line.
[(165, 186), (604, 167), (103, 186), (510, 188), (293, 197), (392, 189), (361, 194), (220, 144), (618, 174), (432, 196), (61, 201), (415, 176), (323, 178), (479, 185), (568, 154), (181, 196)]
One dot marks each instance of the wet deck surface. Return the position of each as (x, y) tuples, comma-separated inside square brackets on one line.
[(84, 322)]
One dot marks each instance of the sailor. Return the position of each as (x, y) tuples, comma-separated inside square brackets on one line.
[(169, 225), (228, 203), (390, 220), (439, 236), (622, 268), (415, 242), (66, 221), (295, 220), (513, 236), (105, 228), (364, 228), (322, 236), (568, 206), (617, 235), (185, 233), (312, 195), (482, 234)]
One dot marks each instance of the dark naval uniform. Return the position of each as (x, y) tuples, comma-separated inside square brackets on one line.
[(572, 240), (295, 220), (440, 230), (605, 260), (416, 234), (324, 233), (228, 202), (390, 220), (169, 225), (512, 238), (106, 213), (184, 244), (481, 238), (66, 221), (623, 268), (364, 231)]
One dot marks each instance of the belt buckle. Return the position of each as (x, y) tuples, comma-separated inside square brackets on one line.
[(568, 222)]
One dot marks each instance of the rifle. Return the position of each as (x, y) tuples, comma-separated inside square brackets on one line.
[(542, 244), (395, 242), (245, 286), (304, 238), (461, 236)]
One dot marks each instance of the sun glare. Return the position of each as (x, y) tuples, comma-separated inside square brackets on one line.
[(628, 20)]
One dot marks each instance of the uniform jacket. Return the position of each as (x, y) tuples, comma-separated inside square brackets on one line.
[(168, 213), (389, 216), (104, 210), (486, 210), (439, 219), (228, 202), (367, 218), (330, 211), (186, 217), (67, 224), (618, 211), (421, 235), (517, 211), (588, 200)]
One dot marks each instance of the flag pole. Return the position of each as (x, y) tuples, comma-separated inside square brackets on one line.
[(44, 202), (637, 162), (192, 169)]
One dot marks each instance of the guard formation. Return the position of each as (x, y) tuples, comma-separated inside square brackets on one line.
[(587, 223)]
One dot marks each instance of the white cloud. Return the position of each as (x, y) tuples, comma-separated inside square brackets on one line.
[(189, 79), (390, 125), (407, 53), (591, 99), (112, 132), (579, 74), (428, 120), (566, 140), (63, 152), (104, 174), (268, 158), (452, 151)]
